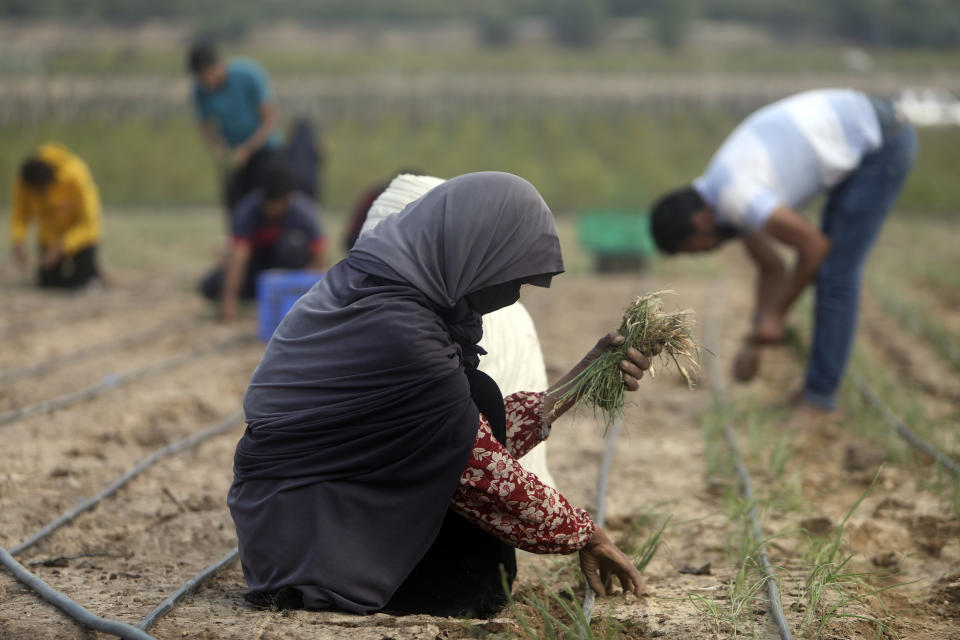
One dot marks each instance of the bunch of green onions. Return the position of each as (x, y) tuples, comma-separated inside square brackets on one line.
[(645, 325)]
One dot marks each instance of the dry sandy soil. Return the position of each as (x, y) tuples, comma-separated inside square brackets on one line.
[(124, 557)]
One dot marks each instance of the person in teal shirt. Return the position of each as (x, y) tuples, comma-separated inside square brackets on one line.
[(236, 107)]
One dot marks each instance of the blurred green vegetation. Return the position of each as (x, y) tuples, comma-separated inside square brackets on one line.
[(936, 267), (134, 161), (184, 241), (744, 59), (179, 243), (914, 274), (576, 160)]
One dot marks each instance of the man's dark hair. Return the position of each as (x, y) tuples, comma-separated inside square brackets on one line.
[(277, 178), (671, 218), (36, 173), (203, 53)]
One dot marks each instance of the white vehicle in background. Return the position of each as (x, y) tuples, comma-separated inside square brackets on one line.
[(929, 106)]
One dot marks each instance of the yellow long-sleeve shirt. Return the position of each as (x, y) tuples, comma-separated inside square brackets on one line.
[(68, 212)]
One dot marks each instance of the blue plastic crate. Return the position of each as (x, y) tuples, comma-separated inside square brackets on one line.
[(277, 291)]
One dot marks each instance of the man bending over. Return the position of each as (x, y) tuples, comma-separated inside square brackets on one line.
[(854, 147)]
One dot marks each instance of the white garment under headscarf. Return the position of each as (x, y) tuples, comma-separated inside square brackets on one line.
[(514, 360)]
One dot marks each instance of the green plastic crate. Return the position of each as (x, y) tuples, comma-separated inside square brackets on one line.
[(616, 232)]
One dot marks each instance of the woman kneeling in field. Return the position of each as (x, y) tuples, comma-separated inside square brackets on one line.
[(378, 470)]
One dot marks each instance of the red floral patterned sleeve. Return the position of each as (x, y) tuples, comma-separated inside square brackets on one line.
[(501, 497), (525, 426)]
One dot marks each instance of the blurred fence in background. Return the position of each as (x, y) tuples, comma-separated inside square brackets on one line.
[(25, 99)]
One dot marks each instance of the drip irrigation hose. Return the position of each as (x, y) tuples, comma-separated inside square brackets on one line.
[(188, 587), (590, 596), (113, 381), (68, 606), (89, 351), (720, 394), (776, 608), (901, 427), (85, 505)]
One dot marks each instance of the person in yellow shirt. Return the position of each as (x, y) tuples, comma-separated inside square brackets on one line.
[(55, 187)]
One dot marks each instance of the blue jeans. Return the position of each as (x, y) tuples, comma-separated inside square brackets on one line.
[(852, 218)]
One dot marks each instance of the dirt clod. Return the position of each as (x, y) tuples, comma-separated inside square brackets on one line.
[(703, 570), (886, 560), (862, 457), (817, 526), (891, 504), (931, 533), (949, 586)]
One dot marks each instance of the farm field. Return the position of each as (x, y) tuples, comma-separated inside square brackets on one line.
[(863, 534), (609, 126)]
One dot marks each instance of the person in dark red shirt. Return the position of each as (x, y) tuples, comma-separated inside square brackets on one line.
[(274, 227), (361, 207)]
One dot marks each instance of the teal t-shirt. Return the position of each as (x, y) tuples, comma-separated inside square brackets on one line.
[(235, 105)]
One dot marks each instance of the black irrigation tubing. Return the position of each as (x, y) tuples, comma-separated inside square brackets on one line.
[(776, 608), (114, 381), (589, 597), (68, 606), (77, 612), (85, 505), (122, 342), (188, 587), (901, 427), (720, 393)]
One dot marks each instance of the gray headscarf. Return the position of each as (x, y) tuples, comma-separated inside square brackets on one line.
[(471, 232)]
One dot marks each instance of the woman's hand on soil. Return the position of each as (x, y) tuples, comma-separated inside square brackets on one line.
[(600, 560)]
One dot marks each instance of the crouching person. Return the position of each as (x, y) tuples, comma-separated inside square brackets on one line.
[(274, 227), (56, 187), (378, 469)]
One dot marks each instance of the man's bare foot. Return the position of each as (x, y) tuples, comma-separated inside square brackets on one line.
[(803, 415), (796, 399)]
